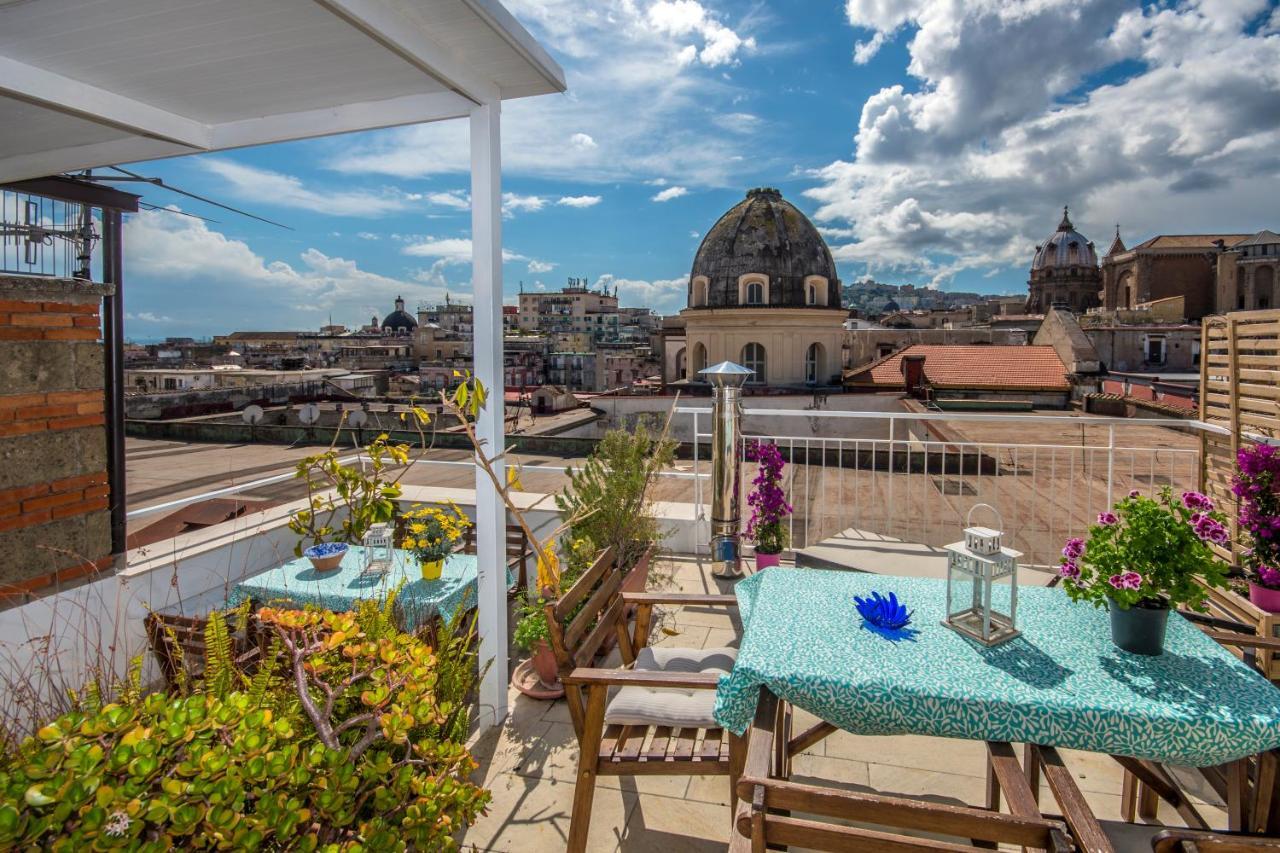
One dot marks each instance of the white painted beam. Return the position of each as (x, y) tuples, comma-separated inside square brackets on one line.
[(398, 34), (491, 517), (71, 97), (369, 115), (52, 161)]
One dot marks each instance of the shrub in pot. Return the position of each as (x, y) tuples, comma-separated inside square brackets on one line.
[(1257, 486), (767, 526), (608, 498), (1143, 557)]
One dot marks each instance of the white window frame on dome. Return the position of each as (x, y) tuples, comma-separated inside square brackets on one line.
[(759, 366), (744, 289), (815, 290), (700, 285)]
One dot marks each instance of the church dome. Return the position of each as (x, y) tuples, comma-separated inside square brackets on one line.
[(399, 320), (1066, 247), (767, 236)]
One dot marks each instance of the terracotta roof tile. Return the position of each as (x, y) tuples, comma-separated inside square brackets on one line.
[(969, 366)]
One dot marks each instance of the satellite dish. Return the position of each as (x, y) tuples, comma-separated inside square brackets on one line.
[(357, 418), (309, 414), (252, 414)]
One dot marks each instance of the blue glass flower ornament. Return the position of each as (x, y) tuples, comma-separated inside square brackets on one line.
[(883, 612), (326, 549)]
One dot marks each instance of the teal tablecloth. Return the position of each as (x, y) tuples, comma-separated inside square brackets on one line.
[(418, 602), (1062, 683)]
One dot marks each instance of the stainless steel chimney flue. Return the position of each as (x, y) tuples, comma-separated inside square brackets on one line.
[(726, 466)]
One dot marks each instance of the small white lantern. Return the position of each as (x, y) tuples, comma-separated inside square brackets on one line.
[(974, 568), (379, 549)]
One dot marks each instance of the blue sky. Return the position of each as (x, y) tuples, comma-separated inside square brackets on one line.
[(934, 142)]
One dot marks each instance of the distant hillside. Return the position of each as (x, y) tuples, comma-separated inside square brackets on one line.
[(871, 297)]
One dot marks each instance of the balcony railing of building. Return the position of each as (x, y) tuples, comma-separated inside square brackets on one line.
[(918, 479)]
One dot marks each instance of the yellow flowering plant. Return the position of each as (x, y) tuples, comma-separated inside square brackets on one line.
[(432, 532)]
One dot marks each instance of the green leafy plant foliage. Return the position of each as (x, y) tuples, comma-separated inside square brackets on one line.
[(531, 625), (1148, 552), (344, 501), (350, 739), (608, 497)]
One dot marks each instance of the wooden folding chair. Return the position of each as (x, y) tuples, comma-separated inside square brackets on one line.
[(773, 811), (178, 643), (651, 717)]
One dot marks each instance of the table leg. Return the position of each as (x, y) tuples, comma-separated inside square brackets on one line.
[(1237, 790)]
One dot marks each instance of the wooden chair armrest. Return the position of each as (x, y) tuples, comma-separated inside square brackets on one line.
[(1246, 641), (685, 598), (642, 678)]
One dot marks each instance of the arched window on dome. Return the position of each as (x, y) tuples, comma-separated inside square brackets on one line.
[(699, 293), (813, 364), (755, 360), (812, 297), (755, 293)]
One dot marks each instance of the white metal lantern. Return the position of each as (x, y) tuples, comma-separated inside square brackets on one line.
[(977, 569), (379, 548)]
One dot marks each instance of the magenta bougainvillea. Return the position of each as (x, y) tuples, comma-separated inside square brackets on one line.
[(1257, 485), (769, 508)]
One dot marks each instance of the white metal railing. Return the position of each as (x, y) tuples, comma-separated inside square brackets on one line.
[(915, 486)]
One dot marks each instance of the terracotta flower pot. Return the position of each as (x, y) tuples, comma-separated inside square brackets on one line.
[(1264, 598), (767, 561), (544, 663)]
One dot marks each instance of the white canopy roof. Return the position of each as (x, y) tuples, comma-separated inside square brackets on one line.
[(87, 83)]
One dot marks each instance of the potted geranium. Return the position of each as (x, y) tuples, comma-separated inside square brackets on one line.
[(767, 527), (431, 534), (1143, 557), (1257, 485)]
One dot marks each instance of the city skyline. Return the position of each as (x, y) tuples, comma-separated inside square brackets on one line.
[(905, 134)]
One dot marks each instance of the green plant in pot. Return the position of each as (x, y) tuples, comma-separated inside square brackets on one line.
[(532, 633), (1143, 557)]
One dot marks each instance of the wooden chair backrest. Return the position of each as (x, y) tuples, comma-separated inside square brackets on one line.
[(576, 637), (178, 642)]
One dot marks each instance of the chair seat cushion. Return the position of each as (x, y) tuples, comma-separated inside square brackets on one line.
[(671, 706)]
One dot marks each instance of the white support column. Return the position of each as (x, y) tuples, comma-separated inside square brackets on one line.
[(486, 280)]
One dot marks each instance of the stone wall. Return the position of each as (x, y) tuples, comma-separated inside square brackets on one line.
[(54, 522)]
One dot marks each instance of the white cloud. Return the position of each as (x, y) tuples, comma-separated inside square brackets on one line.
[(968, 169), (148, 317), (195, 278), (666, 296), (536, 267), (511, 203), (633, 110), (670, 193), (453, 250), (579, 200), (454, 199), (368, 235), (681, 18), (275, 188)]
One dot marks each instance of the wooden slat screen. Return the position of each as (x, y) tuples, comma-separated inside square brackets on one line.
[(1239, 390)]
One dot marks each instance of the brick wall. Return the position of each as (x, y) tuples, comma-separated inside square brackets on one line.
[(54, 521)]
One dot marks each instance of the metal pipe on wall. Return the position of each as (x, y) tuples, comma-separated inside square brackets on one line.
[(113, 368)]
